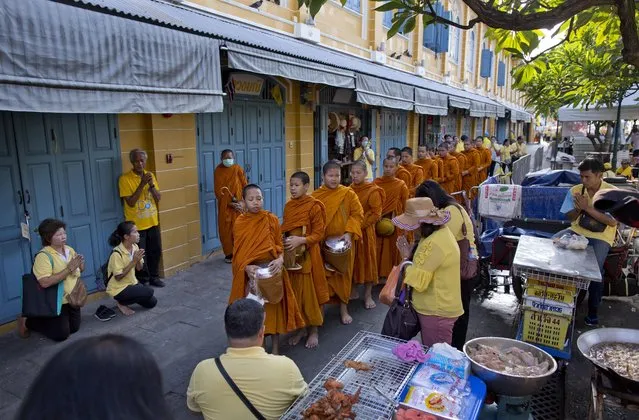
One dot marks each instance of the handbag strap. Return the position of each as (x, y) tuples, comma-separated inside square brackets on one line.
[(464, 229), (237, 390)]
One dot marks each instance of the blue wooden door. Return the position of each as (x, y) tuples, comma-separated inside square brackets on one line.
[(15, 257), (393, 128), (502, 123), (255, 133)]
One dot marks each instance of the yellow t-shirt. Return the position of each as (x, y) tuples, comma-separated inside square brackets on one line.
[(459, 147), (487, 143), (505, 154), (271, 383), (608, 235), (435, 276), (458, 217), (357, 154), (42, 267), (625, 172), (145, 212), (119, 259)]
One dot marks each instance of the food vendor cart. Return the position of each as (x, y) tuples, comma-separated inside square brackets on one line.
[(553, 277)]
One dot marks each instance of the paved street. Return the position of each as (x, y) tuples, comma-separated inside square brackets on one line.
[(186, 327)]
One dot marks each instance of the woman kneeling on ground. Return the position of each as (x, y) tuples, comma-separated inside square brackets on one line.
[(124, 260)]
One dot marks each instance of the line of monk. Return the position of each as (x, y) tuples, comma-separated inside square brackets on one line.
[(359, 215)]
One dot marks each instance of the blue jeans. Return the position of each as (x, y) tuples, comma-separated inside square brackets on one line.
[(595, 290)]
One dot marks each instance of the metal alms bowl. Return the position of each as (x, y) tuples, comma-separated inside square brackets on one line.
[(504, 383), (336, 244)]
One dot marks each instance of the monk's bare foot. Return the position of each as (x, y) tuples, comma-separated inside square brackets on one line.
[(313, 338), (344, 315), (369, 303), (297, 337), (275, 344), (354, 293), (126, 311)]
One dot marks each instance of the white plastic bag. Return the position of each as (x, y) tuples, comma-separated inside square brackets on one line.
[(571, 241)]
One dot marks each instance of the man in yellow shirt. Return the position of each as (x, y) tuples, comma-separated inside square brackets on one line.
[(269, 383), (625, 170), (140, 193), (367, 154), (518, 149), (577, 205)]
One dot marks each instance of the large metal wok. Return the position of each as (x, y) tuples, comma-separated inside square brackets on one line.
[(504, 383), (609, 335)]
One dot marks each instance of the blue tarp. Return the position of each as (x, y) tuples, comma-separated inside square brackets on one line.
[(487, 238), (552, 178), (543, 202)]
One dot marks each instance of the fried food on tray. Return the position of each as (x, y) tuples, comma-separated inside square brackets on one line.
[(335, 405), (332, 383), (357, 365)]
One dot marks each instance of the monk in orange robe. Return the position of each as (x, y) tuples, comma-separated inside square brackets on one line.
[(416, 171), (450, 174), (401, 172), (371, 197), (304, 224), (257, 240), (229, 179), (486, 158), (396, 193), (469, 173), (428, 165), (440, 164), (461, 161), (344, 215)]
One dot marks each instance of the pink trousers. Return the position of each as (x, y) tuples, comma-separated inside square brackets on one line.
[(436, 329)]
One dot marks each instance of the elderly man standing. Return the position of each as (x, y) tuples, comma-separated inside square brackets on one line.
[(140, 193), (245, 382)]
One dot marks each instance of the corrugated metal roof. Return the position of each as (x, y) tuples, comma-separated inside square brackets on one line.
[(192, 20)]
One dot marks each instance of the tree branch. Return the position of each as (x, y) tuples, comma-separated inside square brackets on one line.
[(628, 28)]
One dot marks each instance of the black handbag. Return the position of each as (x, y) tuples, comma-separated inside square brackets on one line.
[(40, 302), (401, 319), (588, 222)]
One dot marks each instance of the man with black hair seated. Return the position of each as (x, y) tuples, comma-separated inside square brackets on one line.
[(245, 382)]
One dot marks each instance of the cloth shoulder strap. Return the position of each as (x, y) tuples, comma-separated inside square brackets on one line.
[(237, 390), (464, 230), (112, 251), (47, 254)]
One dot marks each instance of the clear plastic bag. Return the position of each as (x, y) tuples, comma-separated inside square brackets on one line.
[(571, 241)]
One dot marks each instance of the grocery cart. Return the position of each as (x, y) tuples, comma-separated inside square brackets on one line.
[(552, 278)]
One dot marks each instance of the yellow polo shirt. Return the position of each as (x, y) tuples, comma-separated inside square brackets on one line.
[(608, 235), (457, 218), (119, 259), (145, 212), (625, 172), (42, 267), (459, 147), (435, 276), (271, 383)]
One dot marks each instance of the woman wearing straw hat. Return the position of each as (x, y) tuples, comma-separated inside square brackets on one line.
[(434, 274)]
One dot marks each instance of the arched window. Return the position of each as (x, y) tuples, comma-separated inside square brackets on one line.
[(472, 52), (454, 40)]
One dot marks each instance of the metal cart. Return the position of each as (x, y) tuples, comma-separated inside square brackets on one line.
[(558, 274)]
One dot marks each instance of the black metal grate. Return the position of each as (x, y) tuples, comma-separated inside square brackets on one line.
[(549, 403)]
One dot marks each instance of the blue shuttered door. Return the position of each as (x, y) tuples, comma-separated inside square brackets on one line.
[(486, 63), (502, 123), (501, 74), (68, 169), (255, 133), (392, 132), (15, 258)]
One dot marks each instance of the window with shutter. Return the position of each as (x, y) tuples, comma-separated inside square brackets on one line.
[(436, 37), (486, 63), (472, 47), (501, 74), (388, 19)]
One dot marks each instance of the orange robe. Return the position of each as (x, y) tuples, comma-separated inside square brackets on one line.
[(440, 167), (417, 177), (371, 197), (450, 174), (461, 160), (469, 180), (486, 160), (396, 195), (429, 167), (258, 238), (234, 179), (403, 174), (344, 214), (309, 284)]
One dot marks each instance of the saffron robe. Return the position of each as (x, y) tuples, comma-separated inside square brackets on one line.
[(440, 167), (344, 214), (371, 197), (472, 164), (429, 168), (486, 160), (450, 174), (234, 179), (396, 193), (258, 238), (309, 284), (417, 177), (461, 160), (403, 174)]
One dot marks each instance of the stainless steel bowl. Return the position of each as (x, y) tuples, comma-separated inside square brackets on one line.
[(606, 335), (336, 244), (504, 383)]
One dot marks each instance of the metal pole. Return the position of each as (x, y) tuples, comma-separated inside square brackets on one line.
[(615, 144)]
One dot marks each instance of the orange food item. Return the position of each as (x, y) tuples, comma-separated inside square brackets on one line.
[(412, 414), (358, 365)]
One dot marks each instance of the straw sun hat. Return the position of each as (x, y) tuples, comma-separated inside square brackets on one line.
[(418, 211)]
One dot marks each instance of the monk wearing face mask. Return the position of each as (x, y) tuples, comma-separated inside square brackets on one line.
[(229, 181)]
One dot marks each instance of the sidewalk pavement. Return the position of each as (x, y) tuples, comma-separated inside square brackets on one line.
[(186, 327)]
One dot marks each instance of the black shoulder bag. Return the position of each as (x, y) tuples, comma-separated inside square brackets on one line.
[(588, 222), (237, 390), (401, 319)]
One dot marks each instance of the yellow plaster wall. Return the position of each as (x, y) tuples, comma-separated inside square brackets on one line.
[(178, 181), (299, 136)]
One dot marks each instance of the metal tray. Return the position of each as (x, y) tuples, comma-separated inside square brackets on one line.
[(389, 375)]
